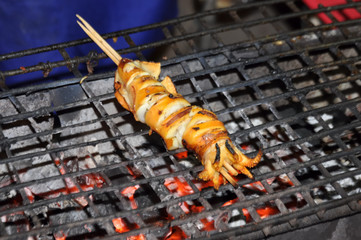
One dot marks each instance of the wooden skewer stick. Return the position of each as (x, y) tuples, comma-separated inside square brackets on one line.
[(230, 168), (99, 40), (228, 177)]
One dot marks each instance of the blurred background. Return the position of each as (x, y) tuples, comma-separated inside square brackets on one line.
[(36, 23), (30, 24)]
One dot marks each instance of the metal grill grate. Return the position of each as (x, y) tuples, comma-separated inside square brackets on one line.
[(281, 82)]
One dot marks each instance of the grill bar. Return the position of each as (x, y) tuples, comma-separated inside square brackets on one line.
[(200, 54), (104, 97), (265, 40), (246, 203), (286, 217), (249, 83), (206, 192), (245, 132), (42, 66), (296, 142)]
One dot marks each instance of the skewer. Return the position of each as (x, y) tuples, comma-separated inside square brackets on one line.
[(228, 177), (230, 168), (90, 31)]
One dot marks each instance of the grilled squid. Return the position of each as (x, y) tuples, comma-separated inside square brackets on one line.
[(179, 123)]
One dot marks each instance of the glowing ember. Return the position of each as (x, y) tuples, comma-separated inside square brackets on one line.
[(196, 209), (131, 172), (181, 155), (201, 184), (191, 208), (247, 215), (245, 147), (208, 225), (29, 194), (138, 237), (86, 182), (258, 186), (267, 211), (129, 193), (263, 212), (70, 186), (184, 207), (230, 202), (175, 185), (285, 179), (60, 235), (120, 225), (175, 233), (89, 181)]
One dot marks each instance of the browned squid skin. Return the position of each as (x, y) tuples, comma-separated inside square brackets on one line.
[(180, 124)]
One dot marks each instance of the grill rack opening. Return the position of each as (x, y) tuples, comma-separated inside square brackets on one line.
[(80, 166)]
